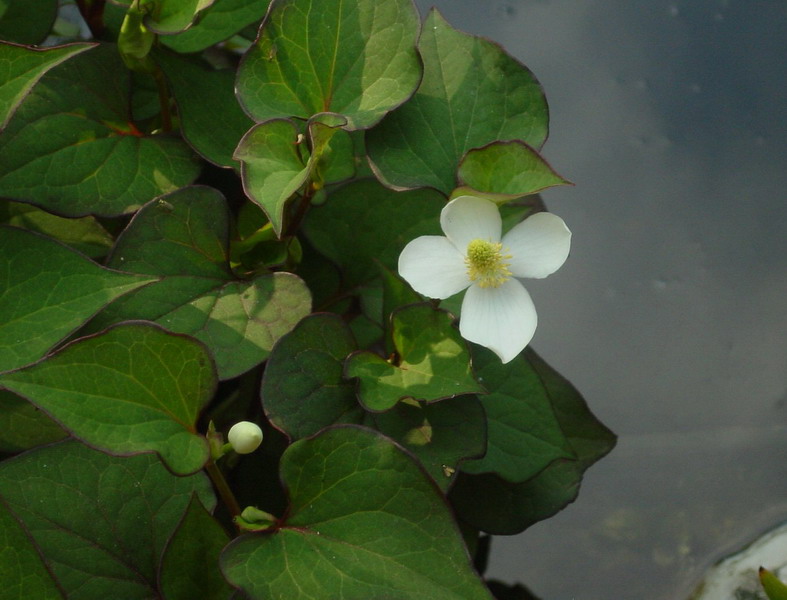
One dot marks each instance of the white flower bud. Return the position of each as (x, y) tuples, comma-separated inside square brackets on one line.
[(245, 437)]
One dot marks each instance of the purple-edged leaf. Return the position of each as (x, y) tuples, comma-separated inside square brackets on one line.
[(303, 390), (134, 388), (20, 69), (216, 23), (364, 522), (356, 58), (23, 425), (47, 291), (472, 93), (100, 522), (75, 127), (433, 362)]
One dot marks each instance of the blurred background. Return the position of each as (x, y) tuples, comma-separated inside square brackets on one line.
[(670, 315)]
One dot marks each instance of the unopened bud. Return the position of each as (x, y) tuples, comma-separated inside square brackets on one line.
[(245, 437)]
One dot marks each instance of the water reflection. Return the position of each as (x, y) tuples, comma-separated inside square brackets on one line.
[(671, 118)]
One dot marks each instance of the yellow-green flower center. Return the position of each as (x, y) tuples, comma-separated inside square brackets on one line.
[(486, 264)]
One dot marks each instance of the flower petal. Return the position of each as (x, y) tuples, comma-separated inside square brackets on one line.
[(539, 245), (503, 318), (467, 218), (433, 267)]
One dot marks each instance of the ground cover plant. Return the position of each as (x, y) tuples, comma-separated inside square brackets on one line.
[(264, 325)]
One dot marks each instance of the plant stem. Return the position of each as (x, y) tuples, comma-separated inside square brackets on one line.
[(223, 488), (163, 98)]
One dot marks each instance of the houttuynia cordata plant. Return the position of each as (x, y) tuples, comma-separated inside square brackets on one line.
[(263, 331)]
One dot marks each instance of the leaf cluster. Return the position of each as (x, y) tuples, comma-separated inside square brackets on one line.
[(202, 203)]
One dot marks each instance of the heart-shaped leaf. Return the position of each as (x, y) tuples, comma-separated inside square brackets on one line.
[(23, 425), (190, 564), (507, 170), (75, 126), (433, 362), (353, 228), (173, 16), (100, 522), (303, 390), (364, 522), (26, 21), (22, 570), (21, 68), (472, 93), (217, 23), (210, 117), (524, 433), (47, 291), (135, 388), (183, 237), (356, 58)]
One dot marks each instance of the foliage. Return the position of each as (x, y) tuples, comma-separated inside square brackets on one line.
[(202, 205)]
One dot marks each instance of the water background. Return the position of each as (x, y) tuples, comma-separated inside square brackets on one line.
[(671, 313)]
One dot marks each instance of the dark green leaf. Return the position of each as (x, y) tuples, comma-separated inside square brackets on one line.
[(217, 23), (472, 93), (134, 388), (524, 433), (22, 67), (46, 291), (396, 293), (353, 228), (303, 389), (26, 21), (510, 508), (364, 522), (24, 426), (210, 117), (434, 362), (440, 435), (100, 522), (76, 127), (23, 573), (356, 58), (508, 170), (173, 16), (190, 565), (183, 236)]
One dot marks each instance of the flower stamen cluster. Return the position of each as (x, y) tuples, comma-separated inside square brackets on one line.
[(486, 264)]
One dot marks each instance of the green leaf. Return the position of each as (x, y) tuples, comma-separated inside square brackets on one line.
[(396, 293), (47, 291), (510, 508), (135, 388), (472, 93), (190, 567), (85, 235), (22, 570), (26, 21), (24, 426), (100, 522), (183, 237), (353, 228), (434, 362), (217, 23), (211, 119), (355, 58), (775, 589), (524, 433), (507, 169), (173, 16), (272, 167), (364, 522), (441, 435), (302, 389), (22, 67), (76, 127)]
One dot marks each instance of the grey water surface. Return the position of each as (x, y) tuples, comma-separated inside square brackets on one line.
[(671, 313)]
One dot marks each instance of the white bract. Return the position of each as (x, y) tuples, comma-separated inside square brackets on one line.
[(245, 437), (497, 311)]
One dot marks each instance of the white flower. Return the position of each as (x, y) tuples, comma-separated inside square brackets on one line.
[(497, 311), (245, 437)]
